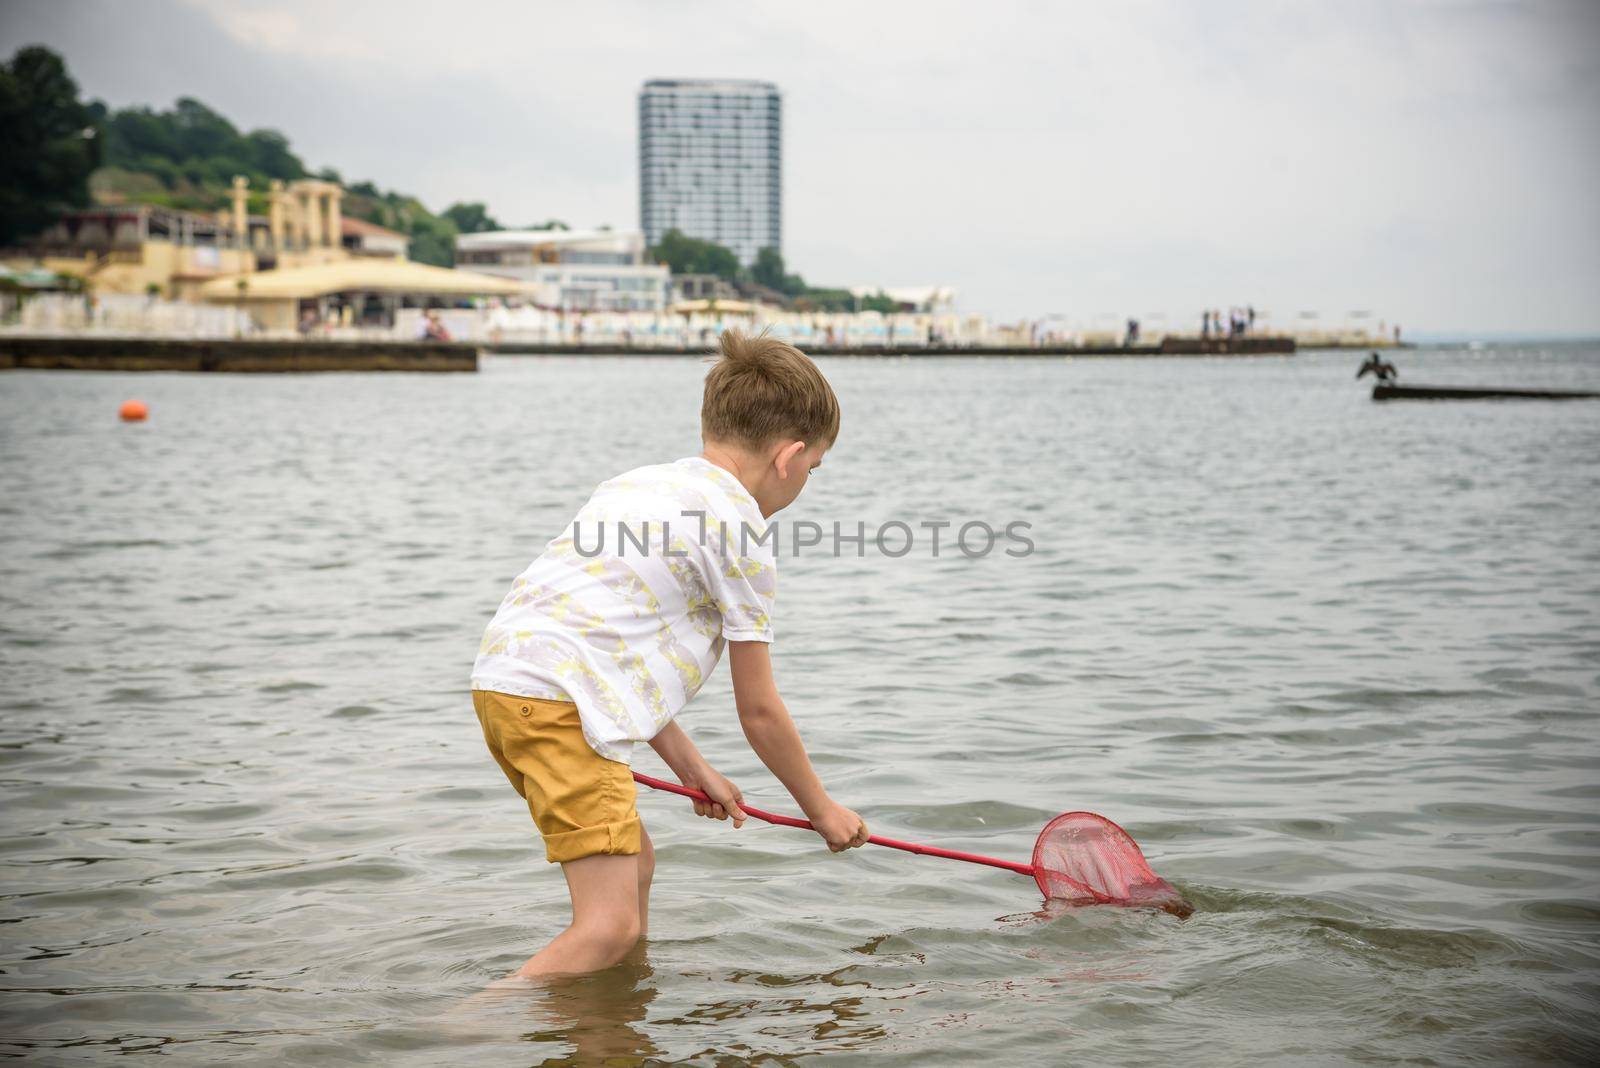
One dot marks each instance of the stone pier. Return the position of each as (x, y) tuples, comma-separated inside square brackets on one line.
[(161, 354)]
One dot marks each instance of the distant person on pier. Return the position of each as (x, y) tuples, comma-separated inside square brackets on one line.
[(433, 328), (1249, 318), (1132, 337), (1385, 371), (1205, 325)]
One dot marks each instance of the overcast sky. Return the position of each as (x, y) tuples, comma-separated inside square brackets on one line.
[(1435, 162)]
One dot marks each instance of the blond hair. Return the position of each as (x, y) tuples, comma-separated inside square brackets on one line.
[(762, 389)]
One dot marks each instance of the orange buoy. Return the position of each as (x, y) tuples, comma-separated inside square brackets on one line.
[(133, 411)]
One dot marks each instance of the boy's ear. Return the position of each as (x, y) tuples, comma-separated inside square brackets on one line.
[(786, 456)]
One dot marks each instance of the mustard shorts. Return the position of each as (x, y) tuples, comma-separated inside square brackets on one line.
[(582, 803)]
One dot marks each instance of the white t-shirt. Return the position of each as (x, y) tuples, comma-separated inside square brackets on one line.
[(626, 612)]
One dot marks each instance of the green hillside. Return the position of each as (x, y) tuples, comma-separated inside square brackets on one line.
[(184, 157)]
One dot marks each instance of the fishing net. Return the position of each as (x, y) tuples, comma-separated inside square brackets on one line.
[(1085, 859), (1079, 859)]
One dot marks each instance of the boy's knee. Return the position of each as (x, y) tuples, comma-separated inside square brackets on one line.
[(611, 934)]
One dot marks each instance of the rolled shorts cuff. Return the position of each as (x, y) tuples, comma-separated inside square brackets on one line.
[(620, 839)]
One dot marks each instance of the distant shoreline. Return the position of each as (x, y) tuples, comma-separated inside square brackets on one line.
[(101, 352), (302, 355), (1170, 346)]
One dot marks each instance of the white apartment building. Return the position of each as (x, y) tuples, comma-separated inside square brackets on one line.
[(573, 270)]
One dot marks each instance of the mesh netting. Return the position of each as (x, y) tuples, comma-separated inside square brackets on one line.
[(1085, 859)]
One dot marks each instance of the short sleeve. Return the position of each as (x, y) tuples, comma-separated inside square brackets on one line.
[(744, 582)]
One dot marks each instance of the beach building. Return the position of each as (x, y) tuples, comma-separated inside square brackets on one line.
[(711, 162), (141, 249), (357, 291), (363, 238), (571, 270), (151, 250), (305, 224), (702, 287)]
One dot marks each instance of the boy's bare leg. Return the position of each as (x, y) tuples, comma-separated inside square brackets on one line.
[(606, 917), (647, 871)]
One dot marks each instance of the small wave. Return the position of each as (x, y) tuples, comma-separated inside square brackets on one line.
[(291, 686), (73, 550), (353, 712)]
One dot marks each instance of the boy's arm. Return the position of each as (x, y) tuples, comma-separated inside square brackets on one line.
[(680, 754), (772, 735)]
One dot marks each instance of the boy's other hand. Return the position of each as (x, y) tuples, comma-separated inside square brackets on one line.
[(841, 828), (725, 798)]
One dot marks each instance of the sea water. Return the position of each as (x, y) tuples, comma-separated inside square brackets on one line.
[(1334, 664)]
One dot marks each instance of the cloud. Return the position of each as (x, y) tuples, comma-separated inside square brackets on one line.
[(1433, 162), (273, 29)]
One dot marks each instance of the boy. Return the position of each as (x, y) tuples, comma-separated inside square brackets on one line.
[(609, 633)]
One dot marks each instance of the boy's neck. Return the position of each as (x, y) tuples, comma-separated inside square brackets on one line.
[(738, 463)]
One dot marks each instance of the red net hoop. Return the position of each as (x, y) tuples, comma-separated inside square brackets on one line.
[(1084, 859)]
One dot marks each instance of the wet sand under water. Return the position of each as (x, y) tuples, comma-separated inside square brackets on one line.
[(1333, 664)]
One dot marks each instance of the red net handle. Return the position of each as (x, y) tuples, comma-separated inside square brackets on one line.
[(790, 821)]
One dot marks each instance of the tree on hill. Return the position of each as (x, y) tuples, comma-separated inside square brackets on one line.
[(688, 255), (52, 143), (473, 218), (825, 300), (768, 270), (192, 145)]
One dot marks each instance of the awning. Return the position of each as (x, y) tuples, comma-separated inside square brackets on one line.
[(358, 275), (730, 307)]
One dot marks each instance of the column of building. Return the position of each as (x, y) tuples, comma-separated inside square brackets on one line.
[(305, 214), (276, 223), (241, 216), (313, 211), (335, 216)]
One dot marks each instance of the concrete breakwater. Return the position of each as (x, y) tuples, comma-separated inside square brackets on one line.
[(1170, 346), (311, 354), (232, 356)]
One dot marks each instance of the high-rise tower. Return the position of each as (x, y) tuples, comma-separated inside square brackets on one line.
[(711, 162)]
